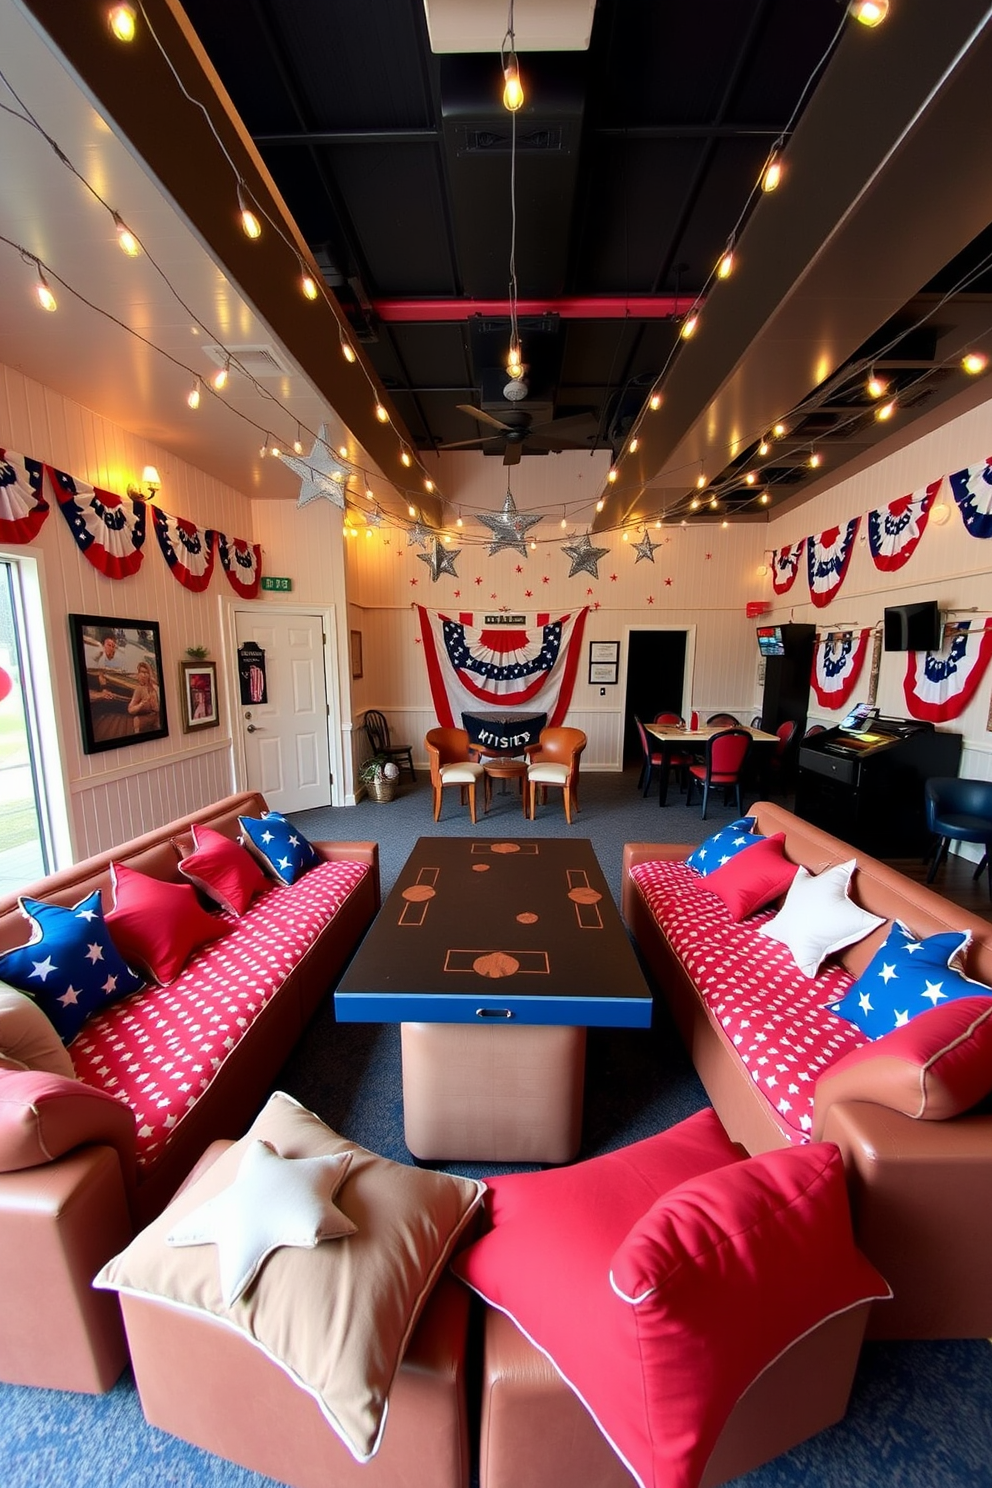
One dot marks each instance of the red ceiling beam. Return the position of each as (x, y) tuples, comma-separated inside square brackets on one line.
[(575, 307)]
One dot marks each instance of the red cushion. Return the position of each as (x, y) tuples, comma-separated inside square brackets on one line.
[(936, 1066), (730, 1261), (43, 1115), (224, 870), (158, 925), (754, 877)]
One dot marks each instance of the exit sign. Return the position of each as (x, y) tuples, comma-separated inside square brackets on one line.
[(273, 583)]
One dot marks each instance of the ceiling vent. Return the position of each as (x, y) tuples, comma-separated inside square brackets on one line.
[(257, 360)]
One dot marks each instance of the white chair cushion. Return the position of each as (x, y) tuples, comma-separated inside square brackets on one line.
[(548, 774), (462, 773)]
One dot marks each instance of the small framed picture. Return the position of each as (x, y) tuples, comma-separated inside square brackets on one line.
[(198, 695), (356, 655), (118, 672), (604, 662)]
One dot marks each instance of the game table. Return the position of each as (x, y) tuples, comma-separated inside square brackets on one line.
[(494, 956)]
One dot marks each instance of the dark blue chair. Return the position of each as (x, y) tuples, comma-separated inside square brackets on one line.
[(959, 811)]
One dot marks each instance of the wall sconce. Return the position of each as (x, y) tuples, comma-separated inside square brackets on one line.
[(940, 513), (150, 486)]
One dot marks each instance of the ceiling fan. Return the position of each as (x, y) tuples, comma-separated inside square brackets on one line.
[(516, 428)]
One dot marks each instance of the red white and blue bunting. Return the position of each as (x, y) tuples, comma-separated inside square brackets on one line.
[(23, 507), (827, 559), (242, 564), (837, 663), (895, 530), (972, 490), (189, 551), (785, 565), (504, 666), (108, 530), (940, 684)]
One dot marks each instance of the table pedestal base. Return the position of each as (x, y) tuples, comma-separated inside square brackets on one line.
[(493, 1093)]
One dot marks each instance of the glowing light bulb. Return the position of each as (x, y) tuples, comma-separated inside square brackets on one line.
[(193, 396), (368, 533), (126, 240), (563, 523), (533, 545), (885, 411), (688, 327), (778, 432), (368, 494), (514, 366), (275, 451), (405, 457), (714, 504), (428, 484), (347, 350), (343, 451), (876, 387), (612, 474), (43, 293), (764, 498), (725, 267), (250, 225), (298, 446), (264, 450), (600, 504), (750, 478), (513, 91), (625, 537), (121, 19), (870, 12), (772, 174), (309, 286), (815, 461), (219, 379), (459, 522), (764, 447), (700, 481), (694, 504), (381, 414), (654, 402), (975, 362), (632, 446), (411, 511), (724, 523)]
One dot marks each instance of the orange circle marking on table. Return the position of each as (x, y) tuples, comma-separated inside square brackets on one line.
[(527, 918), (480, 867), (495, 964), (418, 892), (585, 896), (506, 847)]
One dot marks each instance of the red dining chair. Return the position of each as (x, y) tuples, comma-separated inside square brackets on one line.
[(725, 756)]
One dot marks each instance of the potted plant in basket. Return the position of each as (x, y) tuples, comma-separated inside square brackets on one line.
[(380, 776)]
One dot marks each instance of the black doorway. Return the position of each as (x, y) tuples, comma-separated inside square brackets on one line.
[(655, 681)]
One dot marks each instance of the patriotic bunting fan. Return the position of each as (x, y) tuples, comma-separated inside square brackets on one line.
[(837, 665), (972, 489), (242, 564), (108, 530), (23, 507), (940, 684), (785, 565), (827, 558), (188, 550), (895, 530)]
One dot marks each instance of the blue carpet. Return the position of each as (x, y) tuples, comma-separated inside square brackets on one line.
[(920, 1413)]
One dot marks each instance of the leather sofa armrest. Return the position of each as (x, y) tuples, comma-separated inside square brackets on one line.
[(921, 1200), (652, 852)]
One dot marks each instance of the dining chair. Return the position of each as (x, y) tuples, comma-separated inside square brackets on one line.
[(447, 751), (670, 720), (556, 763), (814, 729), (780, 758), (377, 731), (680, 760), (725, 756), (959, 810), (723, 720)]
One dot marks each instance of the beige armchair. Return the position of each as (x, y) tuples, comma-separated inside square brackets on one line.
[(447, 750), (556, 763)]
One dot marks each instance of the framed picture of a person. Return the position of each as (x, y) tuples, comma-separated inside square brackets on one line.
[(118, 672), (198, 695)]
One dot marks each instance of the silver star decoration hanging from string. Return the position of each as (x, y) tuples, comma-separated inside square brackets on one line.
[(419, 534), (373, 518), (440, 560), (645, 548), (508, 527), (321, 472), (585, 558)]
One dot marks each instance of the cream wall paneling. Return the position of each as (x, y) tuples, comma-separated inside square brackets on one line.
[(342, 774), (125, 804)]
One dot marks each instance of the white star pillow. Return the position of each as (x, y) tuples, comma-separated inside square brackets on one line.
[(818, 919), (273, 1201)]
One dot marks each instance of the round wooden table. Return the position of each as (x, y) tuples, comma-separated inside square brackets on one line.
[(499, 768)]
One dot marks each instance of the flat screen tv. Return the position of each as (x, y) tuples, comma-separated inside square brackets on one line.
[(912, 627), (770, 641)]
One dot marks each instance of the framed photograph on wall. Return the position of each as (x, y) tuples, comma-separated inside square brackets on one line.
[(198, 695), (356, 655), (118, 671), (604, 662)]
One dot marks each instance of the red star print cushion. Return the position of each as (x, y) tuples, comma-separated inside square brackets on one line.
[(754, 877), (223, 870), (158, 925), (663, 1278)]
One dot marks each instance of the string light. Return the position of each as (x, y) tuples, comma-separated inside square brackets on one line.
[(458, 520), (347, 350), (406, 457), (714, 504), (428, 484), (411, 511), (600, 504), (121, 19), (633, 445), (778, 432), (43, 292), (750, 478), (974, 362), (368, 493), (612, 474), (815, 461), (298, 441), (343, 451), (513, 92), (694, 504), (876, 387), (381, 414), (125, 237), (725, 267), (772, 175), (654, 402), (764, 498), (870, 12), (885, 411), (700, 481), (265, 447), (193, 396), (219, 379), (688, 327), (764, 447), (250, 225), (307, 283)]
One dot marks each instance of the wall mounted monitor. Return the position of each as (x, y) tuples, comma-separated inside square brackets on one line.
[(912, 627), (770, 641)]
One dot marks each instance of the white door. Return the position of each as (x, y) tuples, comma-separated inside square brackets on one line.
[(285, 738)]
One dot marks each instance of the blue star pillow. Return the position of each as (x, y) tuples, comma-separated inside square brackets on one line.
[(905, 977), (723, 846), (70, 966), (280, 847)]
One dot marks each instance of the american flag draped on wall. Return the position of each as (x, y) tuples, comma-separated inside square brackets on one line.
[(837, 664), (940, 684), (530, 664)]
